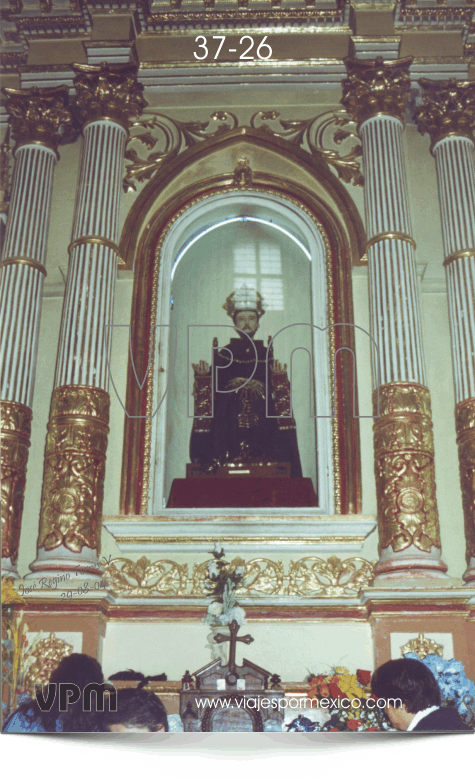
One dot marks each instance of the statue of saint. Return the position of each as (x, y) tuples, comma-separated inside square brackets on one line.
[(240, 430)]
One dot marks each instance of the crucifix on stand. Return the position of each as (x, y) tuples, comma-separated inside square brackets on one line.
[(233, 638)]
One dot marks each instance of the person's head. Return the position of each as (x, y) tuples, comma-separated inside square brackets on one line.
[(408, 687), (246, 320), (80, 670), (137, 710)]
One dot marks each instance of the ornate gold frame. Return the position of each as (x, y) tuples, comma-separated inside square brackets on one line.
[(341, 247)]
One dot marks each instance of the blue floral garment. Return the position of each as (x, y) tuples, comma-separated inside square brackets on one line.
[(25, 721), (455, 687)]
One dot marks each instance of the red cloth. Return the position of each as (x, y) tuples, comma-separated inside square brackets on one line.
[(241, 492)]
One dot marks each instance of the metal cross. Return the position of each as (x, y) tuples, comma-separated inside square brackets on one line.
[(233, 639)]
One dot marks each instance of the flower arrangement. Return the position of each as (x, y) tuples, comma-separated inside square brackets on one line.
[(351, 706), (455, 688), (222, 582), (16, 650)]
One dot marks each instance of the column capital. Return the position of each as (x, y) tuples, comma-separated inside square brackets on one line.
[(40, 116), (108, 92), (376, 87), (449, 109)]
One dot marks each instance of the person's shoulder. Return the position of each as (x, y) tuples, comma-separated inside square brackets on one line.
[(443, 719), (24, 720)]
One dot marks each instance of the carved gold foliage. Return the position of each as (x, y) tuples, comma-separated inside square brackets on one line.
[(47, 654), (375, 87), (465, 425), (41, 116), (404, 468), (314, 576), (262, 577), (307, 577), (331, 127), (161, 578), (165, 138), (422, 646), (449, 109), (15, 441), (73, 484), (108, 91)]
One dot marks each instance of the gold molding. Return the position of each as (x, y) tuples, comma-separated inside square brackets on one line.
[(457, 255), (465, 427), (345, 577), (41, 116), (228, 539), (24, 261), (376, 87), (308, 577), (96, 240), (404, 468), (390, 236), (448, 110), (153, 318), (74, 467), (15, 441)]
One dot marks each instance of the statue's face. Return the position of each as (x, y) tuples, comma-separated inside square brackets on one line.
[(248, 321)]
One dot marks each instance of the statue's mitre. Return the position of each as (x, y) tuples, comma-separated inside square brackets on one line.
[(244, 299)]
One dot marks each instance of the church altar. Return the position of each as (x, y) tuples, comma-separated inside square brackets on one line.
[(309, 222)]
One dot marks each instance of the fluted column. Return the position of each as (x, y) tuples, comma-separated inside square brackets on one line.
[(375, 94), (108, 98), (448, 115), (39, 118)]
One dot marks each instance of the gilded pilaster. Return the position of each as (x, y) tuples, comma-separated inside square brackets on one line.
[(375, 94), (405, 475), (448, 115), (38, 120), (16, 430), (73, 484), (108, 99)]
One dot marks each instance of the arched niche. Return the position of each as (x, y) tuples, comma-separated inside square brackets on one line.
[(325, 233)]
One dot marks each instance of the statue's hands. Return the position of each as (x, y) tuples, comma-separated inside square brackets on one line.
[(278, 368), (202, 368)]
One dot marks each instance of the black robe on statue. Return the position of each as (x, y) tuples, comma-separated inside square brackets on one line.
[(239, 429)]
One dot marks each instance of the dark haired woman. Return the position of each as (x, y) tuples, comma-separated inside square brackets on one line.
[(77, 669), (412, 697)]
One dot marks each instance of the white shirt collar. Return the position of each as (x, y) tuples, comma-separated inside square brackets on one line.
[(419, 715)]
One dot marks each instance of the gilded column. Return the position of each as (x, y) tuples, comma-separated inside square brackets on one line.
[(375, 94), (108, 98), (448, 115), (39, 119)]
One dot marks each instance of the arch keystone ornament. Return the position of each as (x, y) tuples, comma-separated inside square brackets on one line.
[(109, 99), (375, 94)]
